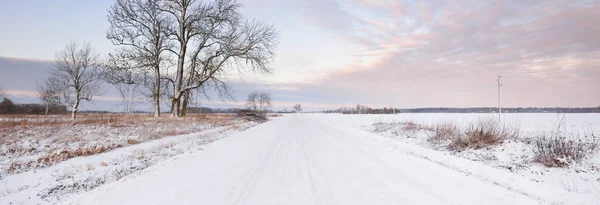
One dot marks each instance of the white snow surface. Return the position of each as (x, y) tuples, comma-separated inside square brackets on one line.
[(303, 159), (515, 156), (58, 182)]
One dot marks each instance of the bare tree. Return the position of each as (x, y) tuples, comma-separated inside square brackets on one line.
[(120, 71), (139, 26), (76, 75), (50, 94), (252, 101), (298, 108), (259, 102), (217, 39), (2, 92), (264, 101)]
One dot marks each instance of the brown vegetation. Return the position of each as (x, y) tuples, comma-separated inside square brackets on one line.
[(445, 131), (484, 133), (56, 138), (559, 150)]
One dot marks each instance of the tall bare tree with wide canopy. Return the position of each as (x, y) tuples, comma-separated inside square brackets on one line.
[(218, 39), (139, 28)]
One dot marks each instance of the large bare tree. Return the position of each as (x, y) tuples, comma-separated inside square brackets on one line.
[(218, 39), (76, 74), (139, 27)]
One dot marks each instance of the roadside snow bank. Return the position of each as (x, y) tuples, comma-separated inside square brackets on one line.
[(58, 182)]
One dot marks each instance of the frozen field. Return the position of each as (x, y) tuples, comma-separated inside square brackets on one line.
[(528, 122), (515, 155), (45, 160), (318, 159)]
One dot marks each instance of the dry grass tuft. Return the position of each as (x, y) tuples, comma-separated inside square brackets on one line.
[(445, 131), (132, 141), (484, 133)]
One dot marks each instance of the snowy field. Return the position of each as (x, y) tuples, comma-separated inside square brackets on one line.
[(514, 155), (293, 159), (528, 122), (44, 160), (308, 159)]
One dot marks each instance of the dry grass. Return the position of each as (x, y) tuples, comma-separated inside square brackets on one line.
[(11, 121), (484, 133), (132, 141), (52, 139), (557, 149), (444, 132), (413, 127), (408, 129)]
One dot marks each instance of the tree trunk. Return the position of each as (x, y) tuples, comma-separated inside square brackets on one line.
[(156, 108), (180, 62), (47, 108), (186, 96), (186, 101), (157, 96), (174, 108), (75, 108)]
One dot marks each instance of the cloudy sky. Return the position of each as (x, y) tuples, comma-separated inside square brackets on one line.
[(333, 53)]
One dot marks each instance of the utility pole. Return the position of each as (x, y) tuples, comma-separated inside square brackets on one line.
[(499, 98)]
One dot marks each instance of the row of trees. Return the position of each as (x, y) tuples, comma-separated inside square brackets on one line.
[(7, 106), (363, 109), (166, 49)]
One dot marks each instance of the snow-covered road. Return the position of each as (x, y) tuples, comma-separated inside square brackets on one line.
[(299, 159)]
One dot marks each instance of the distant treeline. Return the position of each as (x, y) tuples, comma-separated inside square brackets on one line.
[(367, 110), (7, 106), (505, 110)]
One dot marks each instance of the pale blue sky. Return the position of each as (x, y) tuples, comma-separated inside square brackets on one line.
[(376, 52)]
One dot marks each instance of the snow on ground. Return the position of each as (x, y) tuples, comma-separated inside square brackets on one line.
[(305, 159), (514, 155), (32, 142), (53, 183)]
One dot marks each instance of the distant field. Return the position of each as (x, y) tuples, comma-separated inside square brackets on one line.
[(528, 122)]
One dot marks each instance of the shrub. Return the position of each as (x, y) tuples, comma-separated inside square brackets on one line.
[(485, 133), (557, 150)]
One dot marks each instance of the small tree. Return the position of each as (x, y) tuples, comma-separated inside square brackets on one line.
[(252, 101), (49, 94), (264, 101), (298, 108), (120, 72), (259, 102), (76, 75)]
